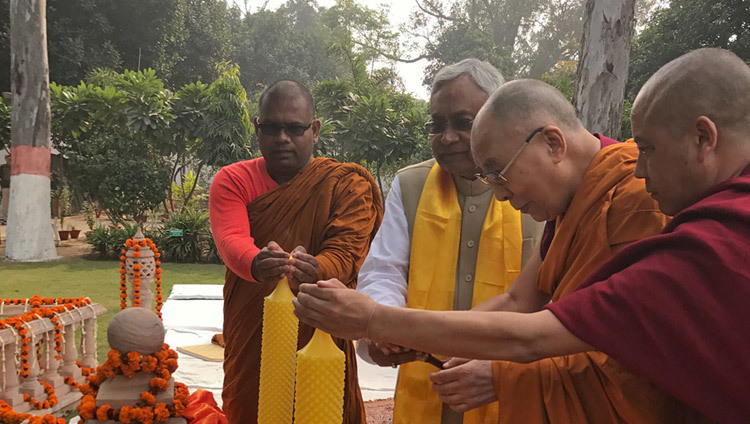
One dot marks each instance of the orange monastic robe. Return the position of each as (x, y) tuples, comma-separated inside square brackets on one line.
[(610, 208), (331, 209)]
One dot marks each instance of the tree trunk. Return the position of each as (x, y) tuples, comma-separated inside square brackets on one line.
[(30, 235), (603, 65)]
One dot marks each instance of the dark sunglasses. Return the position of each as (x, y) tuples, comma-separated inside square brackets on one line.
[(459, 124), (293, 130)]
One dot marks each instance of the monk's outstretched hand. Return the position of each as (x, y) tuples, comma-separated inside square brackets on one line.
[(270, 264), (335, 309), (304, 268)]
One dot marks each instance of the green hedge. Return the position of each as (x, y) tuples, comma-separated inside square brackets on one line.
[(195, 245)]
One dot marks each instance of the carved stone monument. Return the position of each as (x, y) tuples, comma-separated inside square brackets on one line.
[(134, 330)]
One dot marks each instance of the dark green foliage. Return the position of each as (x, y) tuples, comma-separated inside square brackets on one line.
[(684, 26), (289, 43), (196, 243), (127, 137), (370, 124), (108, 242), (688, 25)]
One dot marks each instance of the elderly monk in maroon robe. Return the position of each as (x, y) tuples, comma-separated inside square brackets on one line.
[(286, 213), (672, 307)]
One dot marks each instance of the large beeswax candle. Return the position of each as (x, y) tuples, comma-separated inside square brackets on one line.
[(320, 382), (277, 357)]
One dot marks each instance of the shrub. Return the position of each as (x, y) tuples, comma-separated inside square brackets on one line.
[(196, 243), (109, 241)]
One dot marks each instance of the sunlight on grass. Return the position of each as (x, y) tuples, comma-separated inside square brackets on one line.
[(99, 280)]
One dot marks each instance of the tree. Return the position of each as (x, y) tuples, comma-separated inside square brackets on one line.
[(148, 33), (116, 133), (520, 38), (688, 25), (370, 124), (286, 43), (127, 137), (78, 38), (29, 233), (208, 24), (603, 67), (361, 36)]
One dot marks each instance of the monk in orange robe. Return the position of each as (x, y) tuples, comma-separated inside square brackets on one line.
[(594, 205), (320, 212)]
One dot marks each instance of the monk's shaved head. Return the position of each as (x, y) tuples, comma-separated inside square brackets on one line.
[(285, 90), (690, 122), (711, 82), (528, 139), (525, 99)]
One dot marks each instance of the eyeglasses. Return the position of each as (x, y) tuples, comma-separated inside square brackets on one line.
[(460, 124), (498, 177), (272, 129)]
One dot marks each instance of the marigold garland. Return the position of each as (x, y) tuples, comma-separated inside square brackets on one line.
[(20, 322), (45, 404), (41, 307), (162, 363), (9, 416), (137, 245)]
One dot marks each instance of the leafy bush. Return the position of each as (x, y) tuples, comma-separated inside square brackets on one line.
[(196, 243), (109, 241)]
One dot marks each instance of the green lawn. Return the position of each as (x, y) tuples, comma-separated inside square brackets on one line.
[(99, 280)]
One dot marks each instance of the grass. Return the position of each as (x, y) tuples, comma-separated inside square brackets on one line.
[(99, 280)]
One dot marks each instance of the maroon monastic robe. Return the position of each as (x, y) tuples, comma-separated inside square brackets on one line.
[(674, 307)]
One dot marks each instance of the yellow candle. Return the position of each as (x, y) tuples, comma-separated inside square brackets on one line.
[(277, 357), (320, 382)]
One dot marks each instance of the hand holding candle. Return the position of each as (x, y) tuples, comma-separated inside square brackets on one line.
[(304, 268), (271, 264), (330, 306)]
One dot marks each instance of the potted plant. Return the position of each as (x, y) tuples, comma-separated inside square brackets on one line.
[(63, 203), (74, 233)]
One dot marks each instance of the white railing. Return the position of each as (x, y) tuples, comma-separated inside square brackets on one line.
[(43, 364)]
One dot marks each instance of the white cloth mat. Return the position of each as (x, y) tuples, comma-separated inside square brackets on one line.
[(197, 291), (193, 314)]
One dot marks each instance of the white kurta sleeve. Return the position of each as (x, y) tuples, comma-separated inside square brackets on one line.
[(385, 272)]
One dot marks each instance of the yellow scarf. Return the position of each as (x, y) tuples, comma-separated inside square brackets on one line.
[(432, 281)]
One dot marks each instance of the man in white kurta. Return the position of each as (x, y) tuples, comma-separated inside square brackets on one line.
[(441, 221)]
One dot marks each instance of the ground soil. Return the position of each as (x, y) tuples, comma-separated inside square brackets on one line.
[(67, 248), (378, 411)]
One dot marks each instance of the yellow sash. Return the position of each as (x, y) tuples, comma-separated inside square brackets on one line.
[(432, 281)]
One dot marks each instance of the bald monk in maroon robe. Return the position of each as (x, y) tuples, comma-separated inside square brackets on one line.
[(672, 308), (286, 214)]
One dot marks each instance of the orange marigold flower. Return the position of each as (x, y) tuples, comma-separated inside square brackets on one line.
[(101, 412), (148, 398), (161, 412), (149, 363), (159, 383), (126, 414)]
